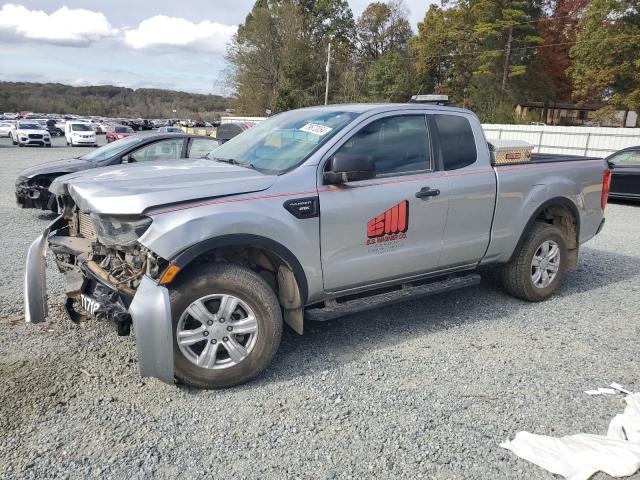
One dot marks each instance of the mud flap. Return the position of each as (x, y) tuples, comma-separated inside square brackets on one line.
[(151, 313)]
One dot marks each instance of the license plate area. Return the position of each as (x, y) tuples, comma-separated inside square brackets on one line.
[(90, 305)]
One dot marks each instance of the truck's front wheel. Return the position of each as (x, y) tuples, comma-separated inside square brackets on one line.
[(538, 266), (227, 326)]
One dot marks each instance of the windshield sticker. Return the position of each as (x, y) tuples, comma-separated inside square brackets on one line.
[(316, 129)]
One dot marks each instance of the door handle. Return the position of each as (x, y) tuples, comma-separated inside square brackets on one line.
[(426, 192)]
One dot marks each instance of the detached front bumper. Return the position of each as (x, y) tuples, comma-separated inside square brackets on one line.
[(35, 280), (149, 308)]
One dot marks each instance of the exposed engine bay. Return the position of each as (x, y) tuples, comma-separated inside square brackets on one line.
[(101, 275)]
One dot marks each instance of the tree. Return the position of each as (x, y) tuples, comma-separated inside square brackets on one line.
[(259, 53), (559, 32), (389, 79), (383, 27), (606, 64), (106, 100), (444, 52), (506, 31), (277, 57), (383, 64)]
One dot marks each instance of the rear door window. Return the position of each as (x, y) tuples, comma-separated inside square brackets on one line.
[(457, 143)]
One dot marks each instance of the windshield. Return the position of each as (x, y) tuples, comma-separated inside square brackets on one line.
[(29, 126), (283, 142), (81, 127), (123, 130), (111, 149)]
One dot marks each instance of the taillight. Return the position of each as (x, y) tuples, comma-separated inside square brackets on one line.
[(606, 185)]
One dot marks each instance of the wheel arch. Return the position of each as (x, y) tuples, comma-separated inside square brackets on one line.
[(184, 258), (265, 256), (559, 211)]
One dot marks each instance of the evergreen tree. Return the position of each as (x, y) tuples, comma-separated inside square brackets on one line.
[(606, 62)]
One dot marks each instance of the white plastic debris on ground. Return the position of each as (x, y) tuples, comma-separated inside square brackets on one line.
[(578, 457)]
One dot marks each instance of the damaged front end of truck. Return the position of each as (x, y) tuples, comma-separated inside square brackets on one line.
[(109, 276)]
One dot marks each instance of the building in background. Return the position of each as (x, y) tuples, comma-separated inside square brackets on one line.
[(572, 114)]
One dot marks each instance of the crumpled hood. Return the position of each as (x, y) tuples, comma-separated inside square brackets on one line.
[(68, 165), (135, 188)]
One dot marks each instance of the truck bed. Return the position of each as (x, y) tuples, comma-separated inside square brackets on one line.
[(558, 157)]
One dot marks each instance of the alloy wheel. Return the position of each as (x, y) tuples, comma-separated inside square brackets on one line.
[(545, 264), (217, 331)]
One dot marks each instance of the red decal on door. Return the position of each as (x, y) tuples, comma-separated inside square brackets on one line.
[(393, 221)]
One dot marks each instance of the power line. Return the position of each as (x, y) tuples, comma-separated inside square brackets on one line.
[(503, 50), (542, 19)]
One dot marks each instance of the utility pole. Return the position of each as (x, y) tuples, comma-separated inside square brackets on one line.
[(326, 90)]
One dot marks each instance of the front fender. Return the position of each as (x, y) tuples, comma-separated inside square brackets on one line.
[(151, 313)]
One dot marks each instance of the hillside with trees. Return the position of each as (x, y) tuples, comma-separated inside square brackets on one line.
[(106, 100), (487, 55)]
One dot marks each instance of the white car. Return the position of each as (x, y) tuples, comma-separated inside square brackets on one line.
[(5, 129), (27, 132), (79, 133)]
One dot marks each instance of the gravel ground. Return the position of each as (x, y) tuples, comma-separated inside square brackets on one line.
[(426, 389)]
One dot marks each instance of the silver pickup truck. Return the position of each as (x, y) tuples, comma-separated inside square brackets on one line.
[(313, 214)]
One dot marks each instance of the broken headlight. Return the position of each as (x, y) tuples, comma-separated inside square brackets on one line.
[(120, 230)]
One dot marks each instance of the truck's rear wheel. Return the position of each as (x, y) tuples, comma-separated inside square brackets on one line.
[(227, 326), (538, 266)]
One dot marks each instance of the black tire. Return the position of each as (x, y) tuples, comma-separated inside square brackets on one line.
[(516, 275), (13, 141), (243, 283)]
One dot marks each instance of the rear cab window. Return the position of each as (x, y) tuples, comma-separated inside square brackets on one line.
[(456, 140)]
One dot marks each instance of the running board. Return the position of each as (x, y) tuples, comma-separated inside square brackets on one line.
[(334, 309)]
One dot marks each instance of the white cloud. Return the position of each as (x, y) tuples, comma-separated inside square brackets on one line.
[(173, 32), (65, 26)]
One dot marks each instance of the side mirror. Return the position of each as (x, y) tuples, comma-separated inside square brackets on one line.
[(346, 167)]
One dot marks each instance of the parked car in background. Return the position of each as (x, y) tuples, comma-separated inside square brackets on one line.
[(146, 125), (104, 127), (5, 129), (625, 173), (55, 131), (32, 184), (29, 133), (79, 133), (99, 128), (135, 124), (116, 132), (170, 130)]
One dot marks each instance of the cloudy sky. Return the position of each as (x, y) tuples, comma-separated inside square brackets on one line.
[(171, 44)]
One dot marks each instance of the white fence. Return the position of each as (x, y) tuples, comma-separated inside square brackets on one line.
[(586, 141), (241, 119)]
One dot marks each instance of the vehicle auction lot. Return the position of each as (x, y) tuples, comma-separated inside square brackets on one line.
[(425, 389)]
